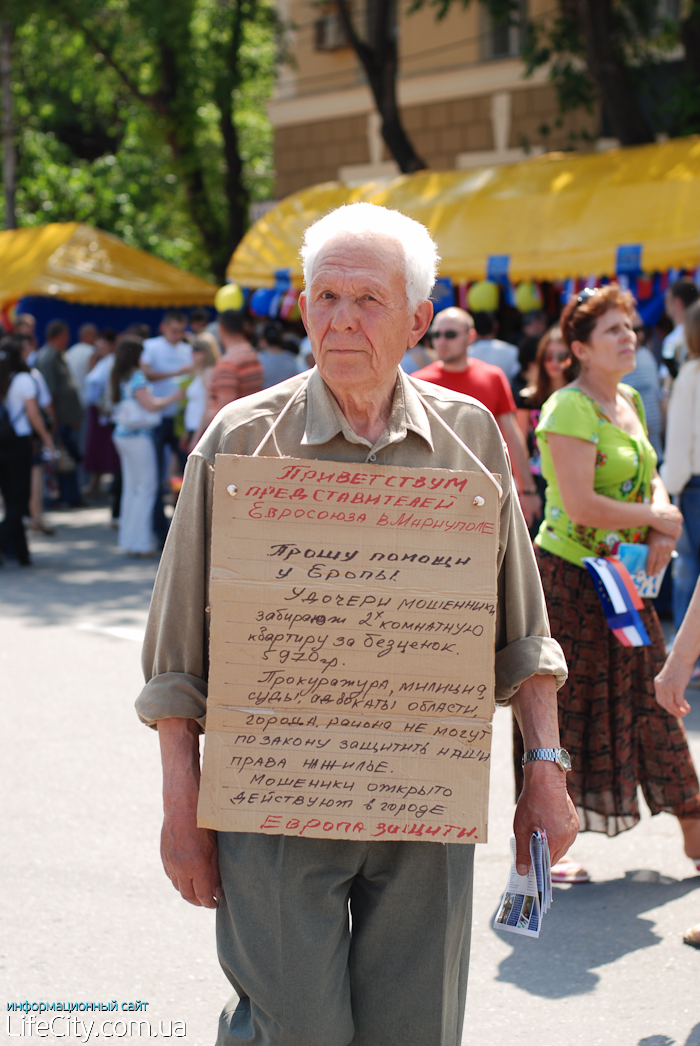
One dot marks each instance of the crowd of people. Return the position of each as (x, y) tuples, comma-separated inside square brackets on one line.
[(125, 409), (602, 423)]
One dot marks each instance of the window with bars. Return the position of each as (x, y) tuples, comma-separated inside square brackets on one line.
[(504, 40), (330, 34)]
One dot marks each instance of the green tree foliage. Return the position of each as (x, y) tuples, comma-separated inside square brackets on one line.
[(616, 53), (147, 119)]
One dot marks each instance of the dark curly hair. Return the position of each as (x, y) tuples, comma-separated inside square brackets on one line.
[(581, 314)]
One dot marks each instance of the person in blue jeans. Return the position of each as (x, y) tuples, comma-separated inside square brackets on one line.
[(163, 361)]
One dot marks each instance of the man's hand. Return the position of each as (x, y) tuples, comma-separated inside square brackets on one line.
[(190, 860), (189, 853), (544, 804), (531, 504)]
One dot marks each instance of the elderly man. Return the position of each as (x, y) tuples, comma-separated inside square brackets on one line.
[(302, 977)]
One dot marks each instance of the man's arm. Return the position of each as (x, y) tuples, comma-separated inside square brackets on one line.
[(159, 375), (672, 680), (189, 853), (531, 503), (544, 802)]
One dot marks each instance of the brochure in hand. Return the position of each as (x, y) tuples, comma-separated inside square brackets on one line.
[(635, 559), (527, 897)]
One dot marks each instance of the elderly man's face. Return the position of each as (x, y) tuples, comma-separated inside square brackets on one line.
[(356, 313)]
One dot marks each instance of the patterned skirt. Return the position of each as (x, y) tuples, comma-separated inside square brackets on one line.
[(609, 720)]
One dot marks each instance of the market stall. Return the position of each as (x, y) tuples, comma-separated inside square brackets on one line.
[(74, 272), (564, 218)]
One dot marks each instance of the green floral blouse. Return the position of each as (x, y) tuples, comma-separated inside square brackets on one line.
[(624, 470)]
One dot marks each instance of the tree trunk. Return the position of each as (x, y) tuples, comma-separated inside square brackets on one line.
[(234, 187), (607, 67), (9, 152), (690, 38), (379, 58)]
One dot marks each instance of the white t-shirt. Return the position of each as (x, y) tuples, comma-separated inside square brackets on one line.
[(44, 396), (498, 353), (161, 355), (98, 379), (22, 388), (78, 359), (674, 346), (196, 396)]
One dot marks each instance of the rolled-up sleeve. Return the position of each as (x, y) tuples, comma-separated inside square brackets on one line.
[(175, 657), (524, 646)]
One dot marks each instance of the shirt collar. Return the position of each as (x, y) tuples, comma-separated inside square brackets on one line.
[(325, 419)]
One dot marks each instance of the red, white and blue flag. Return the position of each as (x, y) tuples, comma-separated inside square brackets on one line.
[(620, 599)]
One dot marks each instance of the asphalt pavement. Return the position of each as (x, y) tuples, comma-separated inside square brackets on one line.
[(88, 915)]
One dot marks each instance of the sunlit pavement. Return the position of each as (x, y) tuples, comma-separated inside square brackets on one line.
[(89, 916)]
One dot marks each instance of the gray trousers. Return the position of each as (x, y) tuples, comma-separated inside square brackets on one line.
[(304, 978)]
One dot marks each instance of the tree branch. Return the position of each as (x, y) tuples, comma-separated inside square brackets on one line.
[(98, 48)]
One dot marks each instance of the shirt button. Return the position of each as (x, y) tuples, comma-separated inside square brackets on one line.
[(373, 457)]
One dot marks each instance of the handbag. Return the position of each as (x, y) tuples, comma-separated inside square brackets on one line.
[(130, 415)]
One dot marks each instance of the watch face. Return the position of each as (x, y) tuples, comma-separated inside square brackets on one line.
[(564, 759)]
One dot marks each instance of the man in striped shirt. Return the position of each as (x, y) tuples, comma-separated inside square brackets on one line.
[(239, 371)]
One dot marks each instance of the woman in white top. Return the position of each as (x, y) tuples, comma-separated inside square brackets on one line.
[(133, 438), (681, 468), (205, 353), (43, 398), (21, 417)]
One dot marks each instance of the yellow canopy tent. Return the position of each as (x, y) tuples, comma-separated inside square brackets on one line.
[(556, 216), (78, 263)]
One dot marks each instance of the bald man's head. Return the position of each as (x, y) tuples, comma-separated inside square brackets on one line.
[(455, 316), (452, 332)]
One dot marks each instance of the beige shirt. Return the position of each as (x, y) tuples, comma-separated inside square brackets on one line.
[(176, 648)]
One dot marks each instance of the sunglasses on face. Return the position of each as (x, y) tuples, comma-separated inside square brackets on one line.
[(559, 357), (446, 334)]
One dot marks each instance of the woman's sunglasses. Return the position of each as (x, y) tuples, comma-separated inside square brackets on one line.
[(559, 357)]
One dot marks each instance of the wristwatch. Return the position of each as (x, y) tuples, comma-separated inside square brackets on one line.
[(560, 756)]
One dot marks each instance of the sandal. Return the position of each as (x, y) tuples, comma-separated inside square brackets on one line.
[(40, 527), (692, 936), (568, 871)]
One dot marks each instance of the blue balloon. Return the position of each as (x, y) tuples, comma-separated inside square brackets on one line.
[(260, 301)]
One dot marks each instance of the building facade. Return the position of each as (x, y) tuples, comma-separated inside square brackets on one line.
[(464, 97)]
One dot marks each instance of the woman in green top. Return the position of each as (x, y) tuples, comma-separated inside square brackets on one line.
[(603, 488)]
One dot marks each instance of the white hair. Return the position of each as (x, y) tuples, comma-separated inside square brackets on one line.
[(368, 219)]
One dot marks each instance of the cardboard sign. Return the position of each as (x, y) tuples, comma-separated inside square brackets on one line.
[(351, 680)]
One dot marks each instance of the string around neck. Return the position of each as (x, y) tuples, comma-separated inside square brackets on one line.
[(461, 443), (277, 420)]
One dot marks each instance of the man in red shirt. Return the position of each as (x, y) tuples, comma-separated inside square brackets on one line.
[(452, 333)]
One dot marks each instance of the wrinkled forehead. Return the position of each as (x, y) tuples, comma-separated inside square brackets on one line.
[(370, 257)]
